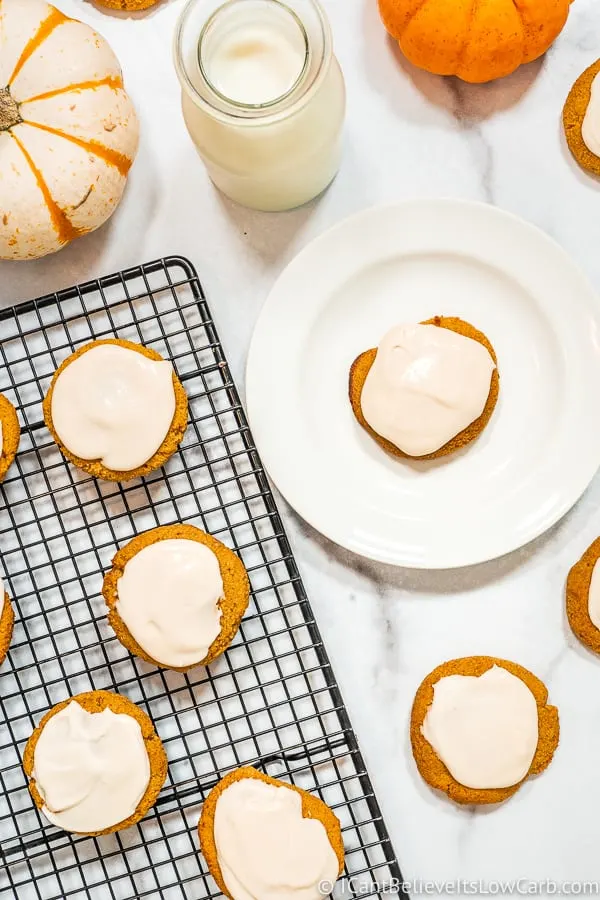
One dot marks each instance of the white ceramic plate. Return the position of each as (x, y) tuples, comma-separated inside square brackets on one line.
[(406, 263)]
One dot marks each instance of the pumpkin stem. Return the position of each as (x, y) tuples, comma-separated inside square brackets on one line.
[(9, 110)]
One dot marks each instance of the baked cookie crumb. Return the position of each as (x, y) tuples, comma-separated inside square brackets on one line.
[(579, 580), (7, 622), (11, 435), (127, 5)]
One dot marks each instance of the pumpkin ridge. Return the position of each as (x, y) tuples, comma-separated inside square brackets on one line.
[(52, 21), (111, 157), (113, 81), (522, 21), (474, 9), (414, 14), (65, 229)]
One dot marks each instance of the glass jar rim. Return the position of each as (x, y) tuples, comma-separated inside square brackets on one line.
[(276, 100), (282, 107)]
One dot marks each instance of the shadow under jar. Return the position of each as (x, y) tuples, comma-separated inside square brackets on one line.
[(263, 98)]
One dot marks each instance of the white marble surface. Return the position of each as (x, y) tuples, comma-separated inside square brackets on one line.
[(409, 134)]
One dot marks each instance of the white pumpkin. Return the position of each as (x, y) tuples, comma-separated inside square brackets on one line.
[(68, 131)]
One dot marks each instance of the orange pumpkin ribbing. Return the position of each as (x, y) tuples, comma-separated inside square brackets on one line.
[(46, 28), (64, 227), (499, 28), (113, 81), (542, 23), (112, 157)]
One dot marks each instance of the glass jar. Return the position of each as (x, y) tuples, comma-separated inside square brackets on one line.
[(263, 97)]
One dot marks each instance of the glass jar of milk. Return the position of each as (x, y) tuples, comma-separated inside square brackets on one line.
[(263, 97)]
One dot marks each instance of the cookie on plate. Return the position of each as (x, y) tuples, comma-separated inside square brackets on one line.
[(428, 389), (176, 596), (116, 409), (481, 726), (10, 435), (95, 764), (581, 119), (268, 835), (583, 598)]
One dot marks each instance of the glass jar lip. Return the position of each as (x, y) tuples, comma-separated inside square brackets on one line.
[(249, 114), (258, 107)]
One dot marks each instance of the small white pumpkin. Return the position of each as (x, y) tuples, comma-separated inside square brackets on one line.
[(68, 131)]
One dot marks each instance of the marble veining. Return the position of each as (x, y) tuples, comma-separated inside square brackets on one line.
[(409, 134)]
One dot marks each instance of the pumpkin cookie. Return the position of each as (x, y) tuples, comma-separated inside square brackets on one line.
[(384, 405), (7, 622), (176, 596), (583, 598), (493, 728), (95, 764), (291, 837), (116, 409), (581, 119), (127, 5), (10, 435)]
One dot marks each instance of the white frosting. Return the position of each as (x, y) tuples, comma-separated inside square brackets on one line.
[(594, 596), (115, 405), (484, 729), (425, 386), (266, 849), (590, 128), (91, 769), (168, 596)]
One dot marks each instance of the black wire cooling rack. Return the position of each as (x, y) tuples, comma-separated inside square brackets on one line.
[(271, 701)]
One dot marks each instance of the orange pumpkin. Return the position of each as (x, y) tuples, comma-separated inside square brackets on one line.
[(478, 40)]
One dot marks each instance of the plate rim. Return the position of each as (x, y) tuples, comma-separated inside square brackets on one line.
[(332, 531)]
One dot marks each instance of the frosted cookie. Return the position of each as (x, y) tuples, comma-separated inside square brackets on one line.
[(581, 119), (95, 764), (10, 435), (116, 409), (127, 5), (583, 598), (480, 726), (7, 622), (265, 838), (427, 390), (176, 596)]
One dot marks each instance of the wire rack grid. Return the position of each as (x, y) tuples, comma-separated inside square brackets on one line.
[(270, 701)]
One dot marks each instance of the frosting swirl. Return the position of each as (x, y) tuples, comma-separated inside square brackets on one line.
[(484, 729), (168, 597), (115, 405), (91, 769), (266, 849), (425, 386)]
